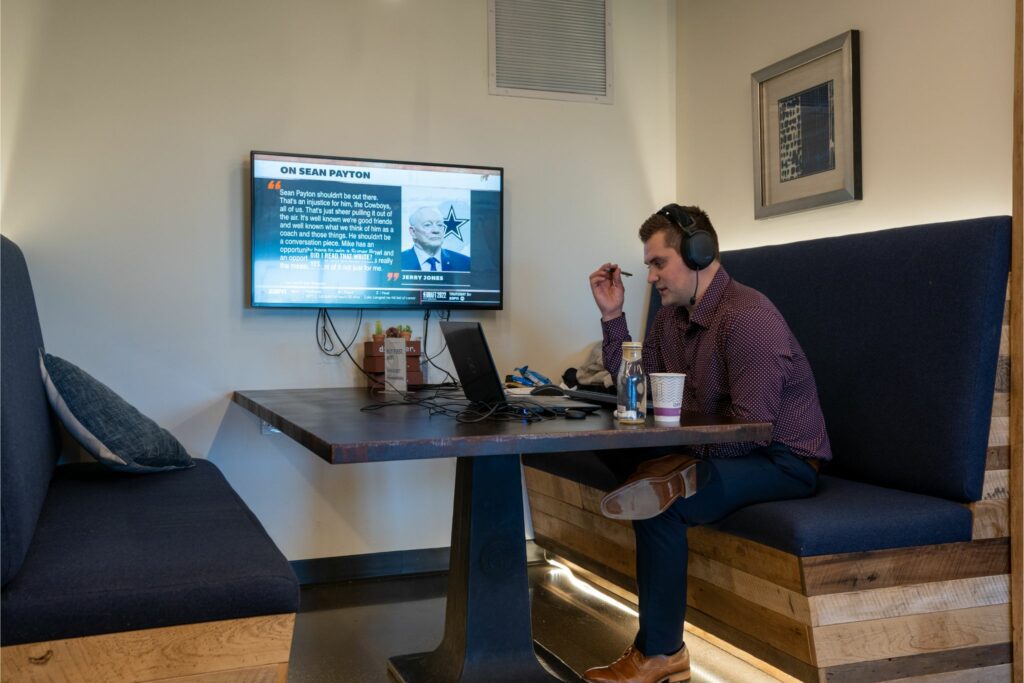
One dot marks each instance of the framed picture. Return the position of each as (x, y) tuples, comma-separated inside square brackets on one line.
[(807, 128)]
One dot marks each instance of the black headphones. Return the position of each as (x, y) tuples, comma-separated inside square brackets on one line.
[(698, 246)]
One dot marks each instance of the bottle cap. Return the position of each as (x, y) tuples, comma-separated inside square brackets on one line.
[(632, 345)]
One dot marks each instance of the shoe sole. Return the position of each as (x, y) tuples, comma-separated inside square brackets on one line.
[(677, 677), (650, 496)]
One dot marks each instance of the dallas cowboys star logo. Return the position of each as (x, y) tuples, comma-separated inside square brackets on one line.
[(453, 224)]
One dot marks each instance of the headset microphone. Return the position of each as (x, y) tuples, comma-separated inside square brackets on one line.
[(696, 284)]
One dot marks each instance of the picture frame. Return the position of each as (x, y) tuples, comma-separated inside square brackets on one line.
[(806, 116)]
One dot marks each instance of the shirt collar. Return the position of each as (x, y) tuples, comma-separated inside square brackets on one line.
[(704, 312), (423, 256)]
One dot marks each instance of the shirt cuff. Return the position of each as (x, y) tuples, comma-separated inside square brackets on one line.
[(615, 328)]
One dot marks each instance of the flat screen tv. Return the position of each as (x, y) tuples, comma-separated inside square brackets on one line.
[(336, 232)]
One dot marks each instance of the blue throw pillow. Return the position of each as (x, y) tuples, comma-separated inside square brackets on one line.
[(113, 431)]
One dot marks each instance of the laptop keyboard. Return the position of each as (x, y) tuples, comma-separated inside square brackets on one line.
[(593, 396)]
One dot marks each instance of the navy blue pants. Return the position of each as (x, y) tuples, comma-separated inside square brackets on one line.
[(764, 474)]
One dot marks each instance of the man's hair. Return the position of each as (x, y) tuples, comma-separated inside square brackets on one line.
[(673, 233), (416, 217)]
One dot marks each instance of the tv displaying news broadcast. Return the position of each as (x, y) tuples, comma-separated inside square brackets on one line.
[(335, 232)]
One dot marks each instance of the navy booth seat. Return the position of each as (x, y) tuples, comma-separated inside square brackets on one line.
[(901, 328), (87, 551)]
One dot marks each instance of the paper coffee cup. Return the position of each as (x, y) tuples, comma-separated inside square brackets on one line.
[(667, 395)]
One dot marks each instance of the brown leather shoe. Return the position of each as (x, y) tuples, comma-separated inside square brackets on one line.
[(655, 485), (634, 667)]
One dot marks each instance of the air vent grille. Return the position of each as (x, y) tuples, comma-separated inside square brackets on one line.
[(551, 48)]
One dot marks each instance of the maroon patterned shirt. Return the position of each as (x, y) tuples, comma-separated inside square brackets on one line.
[(740, 359)]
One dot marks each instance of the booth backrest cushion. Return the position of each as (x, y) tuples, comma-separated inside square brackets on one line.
[(901, 328), (28, 444)]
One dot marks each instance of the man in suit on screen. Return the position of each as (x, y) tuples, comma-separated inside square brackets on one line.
[(427, 228)]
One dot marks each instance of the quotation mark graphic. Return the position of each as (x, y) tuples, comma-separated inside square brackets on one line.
[(394, 276), (274, 185)]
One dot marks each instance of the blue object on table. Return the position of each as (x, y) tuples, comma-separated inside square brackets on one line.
[(526, 372)]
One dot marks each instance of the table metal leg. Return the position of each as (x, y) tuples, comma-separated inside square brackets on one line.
[(487, 631)]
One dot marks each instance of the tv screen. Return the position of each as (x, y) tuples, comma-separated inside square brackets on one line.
[(335, 232)]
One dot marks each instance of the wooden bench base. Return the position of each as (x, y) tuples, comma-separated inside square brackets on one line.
[(870, 616), (250, 650)]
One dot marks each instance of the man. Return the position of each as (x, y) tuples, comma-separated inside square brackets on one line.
[(427, 230), (741, 360)]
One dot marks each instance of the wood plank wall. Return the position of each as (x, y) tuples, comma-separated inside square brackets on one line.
[(992, 512)]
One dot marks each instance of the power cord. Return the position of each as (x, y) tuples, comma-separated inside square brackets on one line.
[(427, 357), (463, 410), (466, 411), (327, 345), (324, 339)]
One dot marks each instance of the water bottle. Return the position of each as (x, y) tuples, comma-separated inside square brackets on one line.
[(632, 388)]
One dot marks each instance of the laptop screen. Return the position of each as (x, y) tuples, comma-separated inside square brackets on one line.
[(473, 362)]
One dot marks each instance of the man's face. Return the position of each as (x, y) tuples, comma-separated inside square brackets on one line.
[(427, 229), (667, 272)]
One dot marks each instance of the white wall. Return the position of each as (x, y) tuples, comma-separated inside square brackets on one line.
[(936, 109), (126, 128)]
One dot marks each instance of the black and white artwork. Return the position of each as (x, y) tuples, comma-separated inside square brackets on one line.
[(807, 133), (806, 124)]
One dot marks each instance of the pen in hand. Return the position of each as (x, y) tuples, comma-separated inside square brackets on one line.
[(622, 272)]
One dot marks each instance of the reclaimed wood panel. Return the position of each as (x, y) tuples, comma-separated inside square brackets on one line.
[(590, 524), (608, 586), (991, 518), (769, 627), (153, 654), (999, 432), (591, 498), (989, 674), (790, 604), (823, 574), (967, 659), (747, 556), (271, 673), (740, 654), (922, 598), (552, 486), (697, 620), (1002, 374), (589, 564), (919, 633), (599, 550), (997, 458), (1001, 404), (997, 485)]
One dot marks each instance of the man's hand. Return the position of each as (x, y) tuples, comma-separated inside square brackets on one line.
[(609, 294)]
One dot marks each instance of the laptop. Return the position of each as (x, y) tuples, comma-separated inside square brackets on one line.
[(479, 375)]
